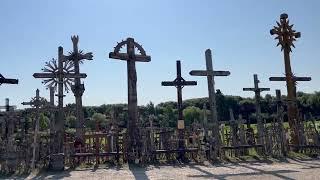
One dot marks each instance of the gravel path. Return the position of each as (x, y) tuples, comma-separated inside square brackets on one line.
[(293, 169)]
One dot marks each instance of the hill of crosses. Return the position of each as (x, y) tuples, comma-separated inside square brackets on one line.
[(49, 135)]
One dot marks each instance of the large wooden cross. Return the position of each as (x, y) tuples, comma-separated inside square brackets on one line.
[(4, 80), (131, 57), (257, 92), (210, 74), (59, 75), (78, 88), (37, 102), (286, 35), (179, 83)]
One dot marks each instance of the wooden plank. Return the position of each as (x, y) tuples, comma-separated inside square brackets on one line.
[(207, 73), (277, 79), (249, 89), (66, 75), (8, 81), (168, 83), (125, 57)]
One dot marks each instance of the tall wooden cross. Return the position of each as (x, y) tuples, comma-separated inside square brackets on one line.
[(257, 92), (4, 80), (36, 102), (7, 107), (59, 75), (210, 74), (286, 35), (78, 88), (179, 83), (131, 57)]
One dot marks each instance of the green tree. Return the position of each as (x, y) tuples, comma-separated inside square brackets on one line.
[(192, 114)]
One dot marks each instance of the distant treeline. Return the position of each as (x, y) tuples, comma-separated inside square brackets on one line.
[(165, 114)]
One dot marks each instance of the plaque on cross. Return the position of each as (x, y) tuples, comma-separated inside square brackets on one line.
[(179, 83)]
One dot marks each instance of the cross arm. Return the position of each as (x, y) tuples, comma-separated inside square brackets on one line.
[(125, 57), (52, 75), (294, 78), (168, 83), (26, 103), (207, 73), (248, 89), (7, 81), (189, 83)]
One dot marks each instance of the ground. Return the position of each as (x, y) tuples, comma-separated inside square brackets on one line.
[(288, 169)]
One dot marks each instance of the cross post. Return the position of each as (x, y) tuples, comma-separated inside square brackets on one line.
[(286, 36), (131, 57), (257, 92), (179, 83), (210, 74)]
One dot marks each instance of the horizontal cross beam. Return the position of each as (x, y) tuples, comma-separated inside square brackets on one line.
[(258, 89), (53, 75), (125, 57), (294, 78), (177, 83), (209, 73), (8, 81)]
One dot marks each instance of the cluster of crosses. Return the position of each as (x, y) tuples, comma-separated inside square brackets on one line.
[(64, 74)]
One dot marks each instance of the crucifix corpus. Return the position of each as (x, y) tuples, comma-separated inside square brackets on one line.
[(286, 35), (257, 91), (179, 83), (131, 57), (210, 74)]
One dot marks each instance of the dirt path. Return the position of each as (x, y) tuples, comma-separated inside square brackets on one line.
[(293, 169)]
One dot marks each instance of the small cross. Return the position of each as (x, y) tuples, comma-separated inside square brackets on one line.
[(179, 83)]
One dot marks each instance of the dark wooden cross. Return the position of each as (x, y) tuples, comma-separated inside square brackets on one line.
[(286, 36), (59, 75), (210, 74), (179, 83), (78, 88), (37, 102), (131, 57), (4, 80), (257, 92)]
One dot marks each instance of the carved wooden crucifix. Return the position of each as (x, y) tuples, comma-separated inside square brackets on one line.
[(286, 35), (257, 92), (210, 74), (59, 75), (179, 83), (78, 88), (131, 57), (4, 80), (36, 102)]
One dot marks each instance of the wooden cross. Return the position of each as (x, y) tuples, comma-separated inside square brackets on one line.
[(257, 92), (210, 74), (4, 80), (36, 102), (131, 57), (286, 36), (179, 83), (78, 88)]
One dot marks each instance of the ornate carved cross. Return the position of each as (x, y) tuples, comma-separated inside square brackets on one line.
[(210, 74), (286, 36), (179, 83), (78, 88), (131, 57), (257, 92)]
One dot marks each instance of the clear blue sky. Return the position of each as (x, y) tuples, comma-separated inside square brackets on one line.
[(236, 31)]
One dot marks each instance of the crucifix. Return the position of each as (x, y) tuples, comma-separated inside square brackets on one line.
[(59, 75), (179, 83), (36, 102), (131, 57), (210, 74), (4, 80), (286, 35), (257, 92), (76, 57)]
